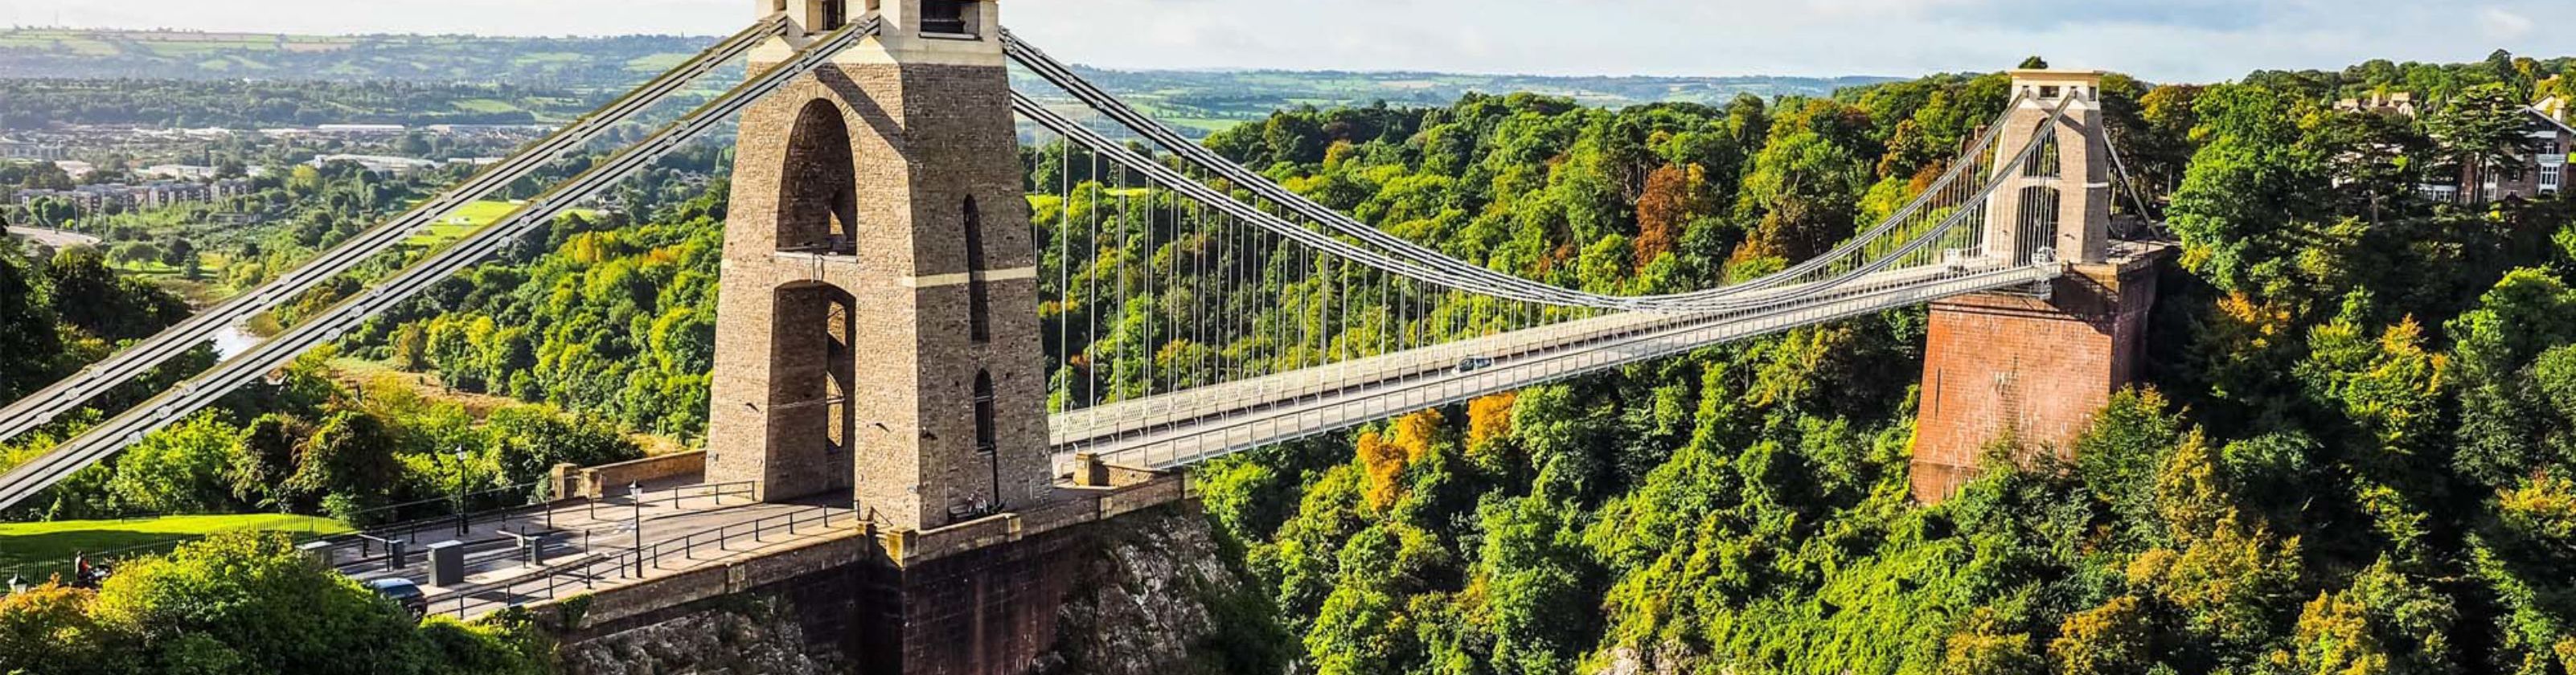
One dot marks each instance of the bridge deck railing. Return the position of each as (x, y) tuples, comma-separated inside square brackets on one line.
[(641, 562)]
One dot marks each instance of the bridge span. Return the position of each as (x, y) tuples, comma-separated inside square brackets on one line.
[(933, 367)]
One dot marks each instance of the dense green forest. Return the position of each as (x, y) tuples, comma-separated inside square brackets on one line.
[(2344, 461), (2350, 457)]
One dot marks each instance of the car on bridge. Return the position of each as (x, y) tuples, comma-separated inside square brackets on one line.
[(1475, 363)]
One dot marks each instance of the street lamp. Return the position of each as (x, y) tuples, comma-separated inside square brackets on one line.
[(460, 491), (636, 545)]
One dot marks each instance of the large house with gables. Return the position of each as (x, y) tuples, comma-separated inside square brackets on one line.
[(2543, 172)]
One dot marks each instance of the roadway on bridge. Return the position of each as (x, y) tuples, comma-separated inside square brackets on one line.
[(501, 573), (1183, 428)]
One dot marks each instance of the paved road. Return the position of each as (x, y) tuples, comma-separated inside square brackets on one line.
[(669, 548), (52, 238), (682, 517), (1193, 426)]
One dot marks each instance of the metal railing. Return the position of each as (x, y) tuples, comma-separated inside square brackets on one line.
[(534, 518), (39, 571), (638, 562)]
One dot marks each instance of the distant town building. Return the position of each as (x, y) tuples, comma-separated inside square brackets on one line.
[(76, 169), (361, 129), (2542, 172), (379, 164), (178, 172), (488, 129), (17, 149), (154, 194), (2401, 103)]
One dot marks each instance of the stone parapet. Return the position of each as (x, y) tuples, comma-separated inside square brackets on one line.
[(596, 482)]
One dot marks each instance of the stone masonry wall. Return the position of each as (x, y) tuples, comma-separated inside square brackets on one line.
[(2031, 371), (1139, 595), (925, 140)]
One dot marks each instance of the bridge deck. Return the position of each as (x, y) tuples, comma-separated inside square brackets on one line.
[(1183, 428)]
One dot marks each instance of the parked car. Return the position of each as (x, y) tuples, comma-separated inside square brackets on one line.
[(403, 592)]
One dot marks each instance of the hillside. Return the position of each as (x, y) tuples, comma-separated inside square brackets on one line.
[(537, 62), (1206, 100)]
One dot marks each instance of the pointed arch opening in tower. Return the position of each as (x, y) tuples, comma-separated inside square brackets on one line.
[(814, 373), (2040, 211), (819, 204), (2048, 163)]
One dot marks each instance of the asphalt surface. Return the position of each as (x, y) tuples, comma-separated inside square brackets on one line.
[(52, 238), (500, 571)]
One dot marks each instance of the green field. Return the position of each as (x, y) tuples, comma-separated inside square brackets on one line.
[(466, 220), (23, 544)]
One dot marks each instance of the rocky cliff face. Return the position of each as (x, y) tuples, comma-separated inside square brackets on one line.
[(1163, 599), (1153, 594), (753, 636)]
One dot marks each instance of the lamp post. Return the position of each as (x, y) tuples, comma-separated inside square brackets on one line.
[(460, 492), (636, 546)]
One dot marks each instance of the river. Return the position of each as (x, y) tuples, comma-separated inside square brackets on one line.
[(234, 339)]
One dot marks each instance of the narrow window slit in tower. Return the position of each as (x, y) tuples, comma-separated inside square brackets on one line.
[(946, 17)]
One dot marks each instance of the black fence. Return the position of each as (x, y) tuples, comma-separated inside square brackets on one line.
[(643, 560)]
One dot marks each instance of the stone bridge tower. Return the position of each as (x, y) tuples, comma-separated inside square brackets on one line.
[(2025, 372), (2061, 206), (877, 336)]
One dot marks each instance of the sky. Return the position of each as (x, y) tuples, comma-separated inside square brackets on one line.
[(2162, 40)]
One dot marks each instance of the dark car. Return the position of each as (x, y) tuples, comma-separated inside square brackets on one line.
[(1475, 363), (403, 592)]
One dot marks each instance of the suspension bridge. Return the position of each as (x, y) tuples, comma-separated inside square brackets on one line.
[(925, 328)]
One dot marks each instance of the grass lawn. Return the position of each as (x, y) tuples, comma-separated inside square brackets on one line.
[(485, 105), (34, 543), (466, 220)]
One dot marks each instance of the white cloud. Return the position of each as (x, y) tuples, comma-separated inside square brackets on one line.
[(2503, 24)]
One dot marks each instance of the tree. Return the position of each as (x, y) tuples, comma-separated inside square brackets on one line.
[(2387, 622), (179, 253), (247, 600), (1540, 588), (28, 341), (51, 626), (347, 466), (2485, 128), (1805, 189), (2121, 455), (2249, 189), (528, 441), (179, 470), (2113, 639), (1672, 199)]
